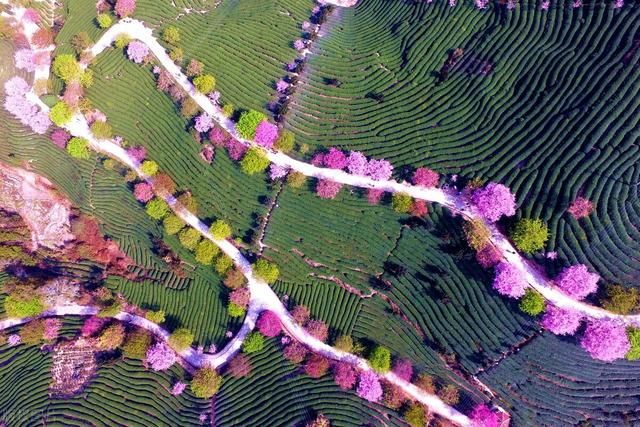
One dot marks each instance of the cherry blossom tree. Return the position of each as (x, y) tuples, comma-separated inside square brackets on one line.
[(488, 256), (277, 172), (295, 352), (316, 366), (482, 416), (318, 329), (403, 369), (300, 314), (357, 163), (269, 324), (16, 86), (14, 340), (178, 388), (379, 170), (344, 375), (266, 134), (91, 326), (160, 357), (605, 340), (25, 60), (299, 44), (239, 366), (369, 387), (51, 328), (137, 153), (494, 200), (137, 51), (217, 137), (235, 149), (419, 208), (31, 15), (73, 92), (318, 160), (240, 297), (561, 321), (374, 195), (143, 192), (125, 8), (327, 189), (425, 177), (335, 159), (577, 282), (580, 208), (509, 281), (203, 123), (60, 137), (282, 86)]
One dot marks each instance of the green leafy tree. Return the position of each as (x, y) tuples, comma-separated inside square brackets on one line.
[(206, 382), (205, 83), (266, 270), (249, 121), (634, 340), (253, 343), (189, 238), (296, 179), (110, 310), (401, 202), (66, 67), (477, 234), (532, 303), (206, 251), (235, 310), (104, 20), (344, 343), (254, 161), (86, 80), (620, 299), (136, 344), (228, 110), (286, 141), (81, 42), (60, 114), (149, 167), (101, 130), (380, 359), (220, 230), (181, 339), (173, 224), (122, 40), (155, 316), (223, 264), (189, 108), (530, 235), (111, 338), (415, 415), (171, 35), (33, 332), (157, 208), (78, 147), (22, 305), (176, 55)]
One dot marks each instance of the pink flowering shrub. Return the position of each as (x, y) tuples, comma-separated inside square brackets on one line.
[(482, 416), (509, 281), (73, 91), (235, 149), (369, 387), (544, 5), (295, 352), (24, 59), (217, 137), (488, 256), (282, 86), (269, 324), (298, 44), (91, 326), (266, 134), (561, 321), (203, 123), (318, 160), (31, 15), (605, 340), (16, 86), (344, 375), (178, 388), (51, 329), (317, 329), (160, 357), (277, 172), (577, 282), (580, 208), (493, 201), (379, 170), (328, 189), (125, 8), (403, 369), (335, 159), (14, 340), (60, 137), (300, 314), (425, 177), (419, 208), (137, 153), (23, 109), (137, 51), (240, 297), (374, 195), (143, 192)]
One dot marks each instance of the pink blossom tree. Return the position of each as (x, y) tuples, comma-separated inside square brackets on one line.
[(318, 160), (379, 170), (374, 195), (493, 201), (403, 369), (14, 340), (282, 86), (561, 321), (160, 357), (328, 189), (178, 388), (335, 159), (277, 172), (577, 282), (51, 329), (16, 86), (269, 324), (125, 8), (357, 163), (217, 137), (72, 94), (580, 208), (488, 256), (482, 416), (60, 137), (240, 297), (316, 366), (25, 60), (369, 387), (137, 153), (203, 123), (235, 149), (143, 192), (137, 51), (31, 15), (605, 340), (344, 375), (299, 44), (91, 326), (425, 177), (266, 134), (318, 329), (295, 352), (509, 281), (300, 314)]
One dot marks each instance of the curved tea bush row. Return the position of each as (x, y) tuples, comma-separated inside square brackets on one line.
[(551, 382), (536, 122)]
